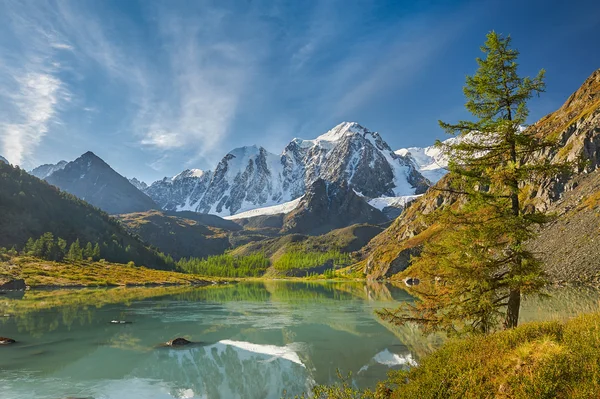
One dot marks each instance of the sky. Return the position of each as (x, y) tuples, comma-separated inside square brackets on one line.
[(155, 87)]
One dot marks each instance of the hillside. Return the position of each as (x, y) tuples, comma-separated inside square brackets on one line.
[(175, 235), (31, 207), (577, 125), (347, 239), (93, 180), (39, 273)]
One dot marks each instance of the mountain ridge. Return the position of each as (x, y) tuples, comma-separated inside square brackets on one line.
[(250, 177)]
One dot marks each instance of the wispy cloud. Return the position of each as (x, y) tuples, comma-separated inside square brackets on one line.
[(32, 91), (181, 85)]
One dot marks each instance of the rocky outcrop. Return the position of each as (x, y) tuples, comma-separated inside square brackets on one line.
[(400, 263), (577, 127)]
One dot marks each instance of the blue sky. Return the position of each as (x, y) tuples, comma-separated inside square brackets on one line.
[(155, 87)]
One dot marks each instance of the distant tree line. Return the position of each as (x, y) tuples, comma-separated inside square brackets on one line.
[(226, 265), (57, 249)]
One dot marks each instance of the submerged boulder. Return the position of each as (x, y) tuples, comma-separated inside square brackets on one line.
[(178, 342), (7, 341), (12, 285)]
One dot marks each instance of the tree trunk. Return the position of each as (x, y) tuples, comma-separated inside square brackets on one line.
[(512, 311)]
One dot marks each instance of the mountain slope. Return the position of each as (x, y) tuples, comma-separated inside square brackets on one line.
[(30, 207), (2, 159), (577, 125), (177, 236), (91, 179), (180, 192), (43, 171), (328, 206), (250, 177)]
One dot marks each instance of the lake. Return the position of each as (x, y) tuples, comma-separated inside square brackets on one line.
[(252, 339)]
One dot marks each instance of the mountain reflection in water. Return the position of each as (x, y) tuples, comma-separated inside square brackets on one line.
[(261, 339)]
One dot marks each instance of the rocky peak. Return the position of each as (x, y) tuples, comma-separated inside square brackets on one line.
[(93, 180), (327, 206), (199, 173), (342, 130), (140, 185), (251, 177)]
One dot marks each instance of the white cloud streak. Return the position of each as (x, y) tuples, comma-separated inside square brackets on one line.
[(32, 91)]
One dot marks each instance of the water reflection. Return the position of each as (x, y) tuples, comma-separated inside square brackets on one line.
[(263, 338)]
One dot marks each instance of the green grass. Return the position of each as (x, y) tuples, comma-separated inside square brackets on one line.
[(38, 273)]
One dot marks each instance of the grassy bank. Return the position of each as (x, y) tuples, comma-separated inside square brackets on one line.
[(41, 273), (535, 360)]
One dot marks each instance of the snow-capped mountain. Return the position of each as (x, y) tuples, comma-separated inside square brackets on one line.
[(46, 170), (431, 161), (251, 177)]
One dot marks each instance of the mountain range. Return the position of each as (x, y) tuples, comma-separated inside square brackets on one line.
[(251, 178)]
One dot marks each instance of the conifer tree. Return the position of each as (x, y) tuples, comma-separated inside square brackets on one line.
[(88, 251), (477, 267), (96, 252), (75, 251)]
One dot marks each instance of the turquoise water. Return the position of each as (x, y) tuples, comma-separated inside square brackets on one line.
[(254, 340)]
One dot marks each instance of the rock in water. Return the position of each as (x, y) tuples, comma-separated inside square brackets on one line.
[(13, 285), (178, 342), (7, 341)]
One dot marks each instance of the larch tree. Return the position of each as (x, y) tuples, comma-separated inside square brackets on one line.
[(476, 267)]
